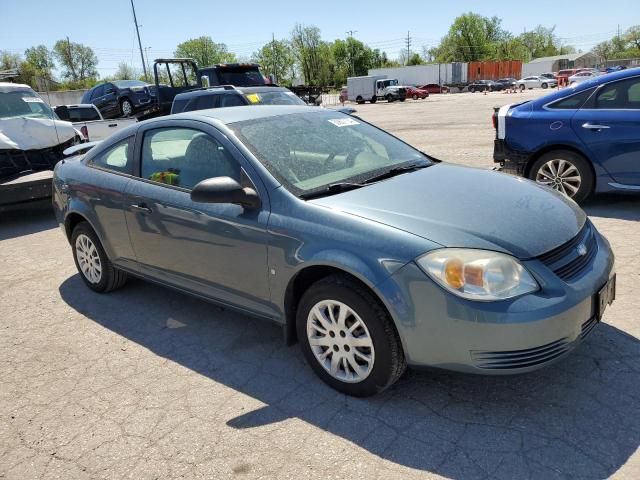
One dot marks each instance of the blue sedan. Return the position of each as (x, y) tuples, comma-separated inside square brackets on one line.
[(580, 140), (371, 254)]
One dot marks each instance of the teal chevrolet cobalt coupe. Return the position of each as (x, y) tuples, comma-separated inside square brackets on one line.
[(371, 254)]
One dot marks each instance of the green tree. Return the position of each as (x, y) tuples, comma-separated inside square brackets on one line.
[(471, 37), (604, 50), (276, 58), (41, 59), (632, 36), (313, 56), (8, 60), (415, 59), (204, 51), (78, 61)]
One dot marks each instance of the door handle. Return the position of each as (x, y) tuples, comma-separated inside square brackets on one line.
[(594, 126), (141, 207), (111, 125)]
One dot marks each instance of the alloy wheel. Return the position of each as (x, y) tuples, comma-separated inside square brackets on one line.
[(340, 341), (561, 175), (88, 259), (126, 108)]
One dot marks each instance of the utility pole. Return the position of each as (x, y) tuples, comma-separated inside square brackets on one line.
[(274, 62), (71, 67), (146, 53), (135, 20), (351, 55), (408, 47)]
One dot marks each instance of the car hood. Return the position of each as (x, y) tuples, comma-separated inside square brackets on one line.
[(457, 206), (26, 133)]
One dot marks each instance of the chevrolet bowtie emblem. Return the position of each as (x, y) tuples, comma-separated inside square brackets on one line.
[(582, 249)]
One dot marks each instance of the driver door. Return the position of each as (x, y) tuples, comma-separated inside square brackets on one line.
[(216, 250)]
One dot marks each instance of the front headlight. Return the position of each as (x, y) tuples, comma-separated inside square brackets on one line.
[(478, 274)]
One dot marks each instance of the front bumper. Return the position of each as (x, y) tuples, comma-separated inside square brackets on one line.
[(439, 329)]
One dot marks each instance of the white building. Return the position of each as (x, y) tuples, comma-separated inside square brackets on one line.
[(558, 62)]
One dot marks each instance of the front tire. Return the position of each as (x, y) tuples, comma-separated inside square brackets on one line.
[(126, 108), (544, 85), (348, 337), (95, 269), (566, 172), (415, 97), (389, 98), (522, 87)]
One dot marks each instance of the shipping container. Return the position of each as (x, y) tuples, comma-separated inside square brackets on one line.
[(494, 70)]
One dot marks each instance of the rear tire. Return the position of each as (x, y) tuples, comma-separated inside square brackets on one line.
[(356, 349), (95, 269), (359, 100), (374, 99), (566, 172), (472, 89), (522, 87), (415, 97)]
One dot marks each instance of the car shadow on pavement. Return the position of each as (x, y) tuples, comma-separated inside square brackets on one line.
[(579, 418), (623, 207), (25, 221)]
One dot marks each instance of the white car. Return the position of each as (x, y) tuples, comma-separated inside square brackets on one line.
[(582, 77), (536, 82)]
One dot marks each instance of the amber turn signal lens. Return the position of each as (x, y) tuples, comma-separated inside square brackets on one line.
[(454, 273)]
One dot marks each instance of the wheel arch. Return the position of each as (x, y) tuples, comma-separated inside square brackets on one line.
[(307, 276), (559, 146)]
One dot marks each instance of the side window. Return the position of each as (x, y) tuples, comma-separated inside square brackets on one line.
[(231, 100), (183, 157), (573, 102), (117, 158), (620, 95), (109, 88), (97, 92), (203, 102)]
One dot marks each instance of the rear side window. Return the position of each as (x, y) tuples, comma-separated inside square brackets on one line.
[(83, 114), (179, 106), (97, 92), (624, 94), (231, 100), (203, 102), (573, 102), (117, 158)]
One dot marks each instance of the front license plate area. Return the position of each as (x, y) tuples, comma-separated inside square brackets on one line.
[(605, 297)]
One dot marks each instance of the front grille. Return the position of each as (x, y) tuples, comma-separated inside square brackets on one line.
[(528, 357), (567, 261)]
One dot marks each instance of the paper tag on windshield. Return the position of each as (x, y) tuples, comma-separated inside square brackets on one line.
[(32, 100), (343, 122)]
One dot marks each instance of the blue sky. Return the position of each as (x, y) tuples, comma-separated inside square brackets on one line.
[(107, 26)]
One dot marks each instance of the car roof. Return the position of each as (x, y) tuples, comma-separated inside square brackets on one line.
[(229, 115), (8, 86), (593, 82)]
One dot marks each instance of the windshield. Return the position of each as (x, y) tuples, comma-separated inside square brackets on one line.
[(240, 77), (129, 83), (309, 151), (24, 103)]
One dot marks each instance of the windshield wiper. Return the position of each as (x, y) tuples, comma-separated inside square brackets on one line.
[(331, 189), (392, 172)]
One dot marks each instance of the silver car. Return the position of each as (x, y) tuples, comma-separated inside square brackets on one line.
[(536, 82), (370, 253)]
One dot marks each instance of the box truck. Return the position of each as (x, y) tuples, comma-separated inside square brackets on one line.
[(371, 88)]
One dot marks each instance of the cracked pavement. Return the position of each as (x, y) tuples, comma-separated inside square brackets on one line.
[(148, 383)]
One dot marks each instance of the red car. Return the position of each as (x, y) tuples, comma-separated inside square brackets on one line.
[(433, 88), (416, 93)]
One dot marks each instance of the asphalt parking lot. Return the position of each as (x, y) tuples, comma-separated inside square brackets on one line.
[(147, 383)]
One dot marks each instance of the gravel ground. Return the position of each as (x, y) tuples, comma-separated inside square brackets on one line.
[(147, 383)]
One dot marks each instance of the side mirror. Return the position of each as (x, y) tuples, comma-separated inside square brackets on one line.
[(225, 190), (204, 80)]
